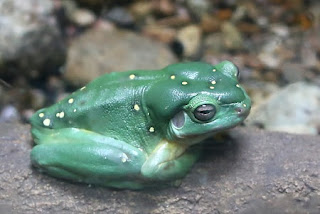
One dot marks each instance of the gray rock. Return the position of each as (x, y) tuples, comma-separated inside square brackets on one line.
[(29, 35), (251, 172), (293, 72), (99, 51), (120, 16), (9, 113), (293, 109)]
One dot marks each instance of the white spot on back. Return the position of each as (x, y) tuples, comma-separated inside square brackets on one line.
[(238, 85), (213, 82), (124, 158), (58, 114), (211, 87), (151, 129), (41, 115), (74, 110), (214, 70), (172, 77), (46, 122), (61, 114), (244, 105), (70, 100), (136, 107), (132, 76), (82, 88), (184, 83)]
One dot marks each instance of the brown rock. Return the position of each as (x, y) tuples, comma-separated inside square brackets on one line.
[(98, 51), (251, 172)]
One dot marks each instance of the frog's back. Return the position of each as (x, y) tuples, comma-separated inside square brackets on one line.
[(114, 104), (108, 105)]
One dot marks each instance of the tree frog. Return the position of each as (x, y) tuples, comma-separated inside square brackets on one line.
[(138, 128)]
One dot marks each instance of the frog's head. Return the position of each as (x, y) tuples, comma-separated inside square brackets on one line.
[(198, 100)]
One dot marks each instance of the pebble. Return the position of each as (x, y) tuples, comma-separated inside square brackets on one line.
[(9, 113), (164, 7), (98, 51), (120, 16), (269, 54), (163, 34), (190, 37), (290, 110), (210, 23), (83, 17), (182, 18), (141, 9), (214, 43), (199, 7), (293, 72), (37, 99), (232, 37)]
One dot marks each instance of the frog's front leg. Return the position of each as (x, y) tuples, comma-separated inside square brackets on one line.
[(85, 156), (169, 161)]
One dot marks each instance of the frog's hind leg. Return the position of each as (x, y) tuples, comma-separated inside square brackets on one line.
[(85, 156)]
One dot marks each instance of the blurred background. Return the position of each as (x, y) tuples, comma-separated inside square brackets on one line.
[(48, 48)]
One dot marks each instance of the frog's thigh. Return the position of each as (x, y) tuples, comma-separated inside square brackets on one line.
[(85, 156)]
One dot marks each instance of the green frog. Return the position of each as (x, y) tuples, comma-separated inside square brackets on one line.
[(138, 128)]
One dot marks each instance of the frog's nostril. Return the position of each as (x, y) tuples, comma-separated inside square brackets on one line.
[(242, 111)]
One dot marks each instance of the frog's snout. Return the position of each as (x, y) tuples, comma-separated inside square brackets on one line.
[(243, 111)]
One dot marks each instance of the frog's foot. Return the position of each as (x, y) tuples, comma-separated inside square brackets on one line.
[(85, 156)]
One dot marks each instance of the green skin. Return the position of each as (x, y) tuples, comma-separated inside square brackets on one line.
[(137, 128)]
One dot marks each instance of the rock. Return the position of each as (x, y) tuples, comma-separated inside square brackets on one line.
[(259, 92), (231, 36), (309, 49), (253, 171), (163, 34), (190, 37), (37, 99), (141, 9), (120, 16), (280, 30), (30, 38), (164, 7), (182, 18), (9, 113), (83, 17), (210, 24), (214, 43), (98, 51), (293, 72), (269, 55), (199, 7), (293, 109)]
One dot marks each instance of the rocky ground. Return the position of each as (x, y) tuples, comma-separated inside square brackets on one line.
[(251, 172)]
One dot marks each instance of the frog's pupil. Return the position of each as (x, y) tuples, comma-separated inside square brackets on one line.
[(204, 112)]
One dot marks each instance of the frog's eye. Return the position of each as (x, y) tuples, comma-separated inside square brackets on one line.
[(204, 112)]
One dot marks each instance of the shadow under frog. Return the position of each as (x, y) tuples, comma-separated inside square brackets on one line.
[(138, 128)]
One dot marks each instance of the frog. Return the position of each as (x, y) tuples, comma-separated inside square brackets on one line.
[(139, 128)]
